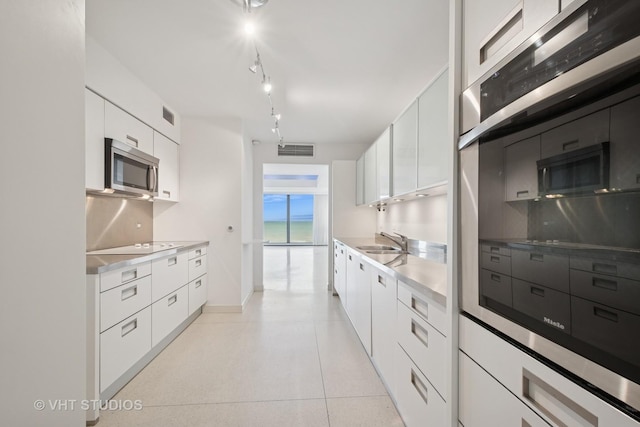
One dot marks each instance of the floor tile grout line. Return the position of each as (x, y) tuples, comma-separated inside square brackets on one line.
[(232, 402), (324, 389)]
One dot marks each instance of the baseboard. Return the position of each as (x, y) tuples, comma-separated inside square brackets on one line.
[(246, 300), (222, 309)]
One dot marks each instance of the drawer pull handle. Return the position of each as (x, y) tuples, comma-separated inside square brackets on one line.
[(554, 404), (129, 327), (132, 139), (496, 278), (605, 314), (537, 291), (382, 281), (495, 259), (198, 262), (342, 251), (172, 261), (198, 252), (536, 257), (172, 300), (571, 145), (505, 31), (610, 285), (129, 293), (420, 387), (362, 266), (638, 178), (166, 193), (130, 275), (350, 258), (420, 333), (599, 267), (494, 249), (522, 193), (420, 307), (198, 284)]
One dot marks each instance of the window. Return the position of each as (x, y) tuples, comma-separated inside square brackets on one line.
[(288, 218)]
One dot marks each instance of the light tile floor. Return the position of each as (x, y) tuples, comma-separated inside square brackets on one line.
[(291, 359)]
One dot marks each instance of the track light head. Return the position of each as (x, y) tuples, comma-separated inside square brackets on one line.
[(266, 84)]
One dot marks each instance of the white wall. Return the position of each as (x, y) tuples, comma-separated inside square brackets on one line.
[(421, 219), (211, 184), (247, 221), (268, 153), (42, 308)]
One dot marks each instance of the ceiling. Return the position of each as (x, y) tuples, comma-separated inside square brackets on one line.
[(341, 70)]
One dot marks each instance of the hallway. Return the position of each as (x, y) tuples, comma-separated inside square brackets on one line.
[(291, 359)]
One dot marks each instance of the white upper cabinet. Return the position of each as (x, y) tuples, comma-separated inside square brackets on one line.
[(370, 175), (405, 150), (383, 153), (493, 28), (360, 181), (123, 127), (94, 141), (167, 152), (433, 111)]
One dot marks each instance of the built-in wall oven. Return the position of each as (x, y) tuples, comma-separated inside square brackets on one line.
[(550, 198)]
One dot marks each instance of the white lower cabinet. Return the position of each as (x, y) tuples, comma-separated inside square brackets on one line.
[(417, 400), (484, 402), (383, 325), (168, 313), (123, 301), (197, 293), (123, 345), (169, 274), (553, 397)]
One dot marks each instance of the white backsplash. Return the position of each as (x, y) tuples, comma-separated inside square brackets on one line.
[(420, 219)]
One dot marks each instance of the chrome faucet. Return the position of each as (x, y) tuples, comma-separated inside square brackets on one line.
[(403, 242)]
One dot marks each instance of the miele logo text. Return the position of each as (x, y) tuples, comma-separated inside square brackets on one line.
[(553, 323)]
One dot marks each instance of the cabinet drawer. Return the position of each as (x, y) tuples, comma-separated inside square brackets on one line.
[(121, 302), (485, 402), (123, 345), (168, 313), (497, 287), (425, 346), (613, 268), (613, 291), (197, 267), (577, 134), (123, 127), (495, 249), (546, 305), (498, 263), (418, 402), (169, 274), (197, 293), (112, 279), (547, 270), (606, 327), (195, 253), (425, 307)]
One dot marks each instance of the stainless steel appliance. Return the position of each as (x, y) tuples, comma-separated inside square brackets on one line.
[(550, 196), (129, 170)]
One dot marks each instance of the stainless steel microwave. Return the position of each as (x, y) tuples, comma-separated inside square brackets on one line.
[(129, 170)]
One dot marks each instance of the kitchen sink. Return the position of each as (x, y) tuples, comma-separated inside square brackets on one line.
[(377, 248)]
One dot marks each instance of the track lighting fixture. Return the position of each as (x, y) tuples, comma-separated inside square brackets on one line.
[(266, 85)]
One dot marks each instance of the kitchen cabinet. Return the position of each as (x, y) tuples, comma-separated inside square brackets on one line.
[(123, 127), (339, 270), (371, 175), (484, 402), (94, 141), (359, 297), (167, 152), (624, 152), (169, 274), (383, 325), (404, 158), (383, 163), (198, 292), (580, 133), (492, 29), (521, 170), (433, 135), (550, 395), (168, 312), (360, 181), (121, 302), (417, 400)]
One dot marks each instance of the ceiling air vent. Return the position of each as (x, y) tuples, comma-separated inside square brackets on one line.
[(296, 150)]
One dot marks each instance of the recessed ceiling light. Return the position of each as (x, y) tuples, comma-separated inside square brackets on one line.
[(422, 195), (398, 200)]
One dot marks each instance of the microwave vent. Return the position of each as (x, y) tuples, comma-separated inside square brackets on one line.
[(296, 150)]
